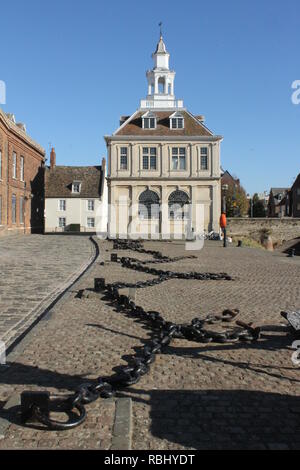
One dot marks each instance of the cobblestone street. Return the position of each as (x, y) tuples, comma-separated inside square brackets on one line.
[(196, 396), (34, 269)]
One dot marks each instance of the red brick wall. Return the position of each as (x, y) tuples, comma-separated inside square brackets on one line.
[(32, 192)]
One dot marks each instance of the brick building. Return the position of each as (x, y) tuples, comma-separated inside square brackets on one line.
[(278, 205), (294, 198), (21, 178)]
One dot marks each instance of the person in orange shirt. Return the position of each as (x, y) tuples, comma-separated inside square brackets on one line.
[(223, 223)]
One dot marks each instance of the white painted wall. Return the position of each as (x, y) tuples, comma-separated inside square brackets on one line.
[(76, 213)]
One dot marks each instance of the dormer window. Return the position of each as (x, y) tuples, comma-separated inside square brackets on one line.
[(149, 120), (176, 121), (76, 187)]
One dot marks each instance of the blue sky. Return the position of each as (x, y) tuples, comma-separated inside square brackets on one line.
[(72, 68)]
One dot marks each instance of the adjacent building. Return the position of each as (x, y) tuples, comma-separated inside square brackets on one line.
[(278, 204), (162, 156), (21, 179), (294, 198), (75, 198)]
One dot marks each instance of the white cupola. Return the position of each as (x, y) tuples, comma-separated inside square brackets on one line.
[(161, 81)]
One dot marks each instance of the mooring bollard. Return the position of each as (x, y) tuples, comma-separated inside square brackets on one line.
[(114, 257), (99, 284), (240, 243)]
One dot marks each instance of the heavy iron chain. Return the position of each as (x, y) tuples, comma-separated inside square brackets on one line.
[(38, 405)]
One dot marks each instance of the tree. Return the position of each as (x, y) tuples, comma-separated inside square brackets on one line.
[(259, 209), (236, 201)]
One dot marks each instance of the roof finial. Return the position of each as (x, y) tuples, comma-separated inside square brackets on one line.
[(160, 27)]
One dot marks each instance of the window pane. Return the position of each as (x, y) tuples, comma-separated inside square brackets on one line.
[(22, 169), (174, 163), (174, 151), (180, 123), (13, 208), (145, 150), (14, 163), (123, 162), (153, 162), (21, 210), (62, 222), (203, 150), (153, 151), (182, 151), (145, 162), (204, 165), (174, 123), (182, 162), (152, 123)]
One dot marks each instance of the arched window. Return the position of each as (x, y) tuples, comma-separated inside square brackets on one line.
[(178, 205), (149, 205)]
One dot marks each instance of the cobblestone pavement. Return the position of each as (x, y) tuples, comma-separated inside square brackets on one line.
[(196, 396), (34, 268)]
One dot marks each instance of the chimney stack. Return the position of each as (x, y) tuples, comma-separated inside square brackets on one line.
[(52, 158), (103, 165)]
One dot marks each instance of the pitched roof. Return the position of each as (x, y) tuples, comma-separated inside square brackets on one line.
[(192, 127), (9, 120), (58, 181), (276, 191)]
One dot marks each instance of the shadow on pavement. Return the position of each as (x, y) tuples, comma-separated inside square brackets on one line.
[(224, 419)]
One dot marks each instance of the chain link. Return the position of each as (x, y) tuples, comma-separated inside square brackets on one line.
[(164, 332)]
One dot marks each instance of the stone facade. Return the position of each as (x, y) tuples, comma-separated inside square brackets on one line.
[(282, 229), (21, 179), (166, 152)]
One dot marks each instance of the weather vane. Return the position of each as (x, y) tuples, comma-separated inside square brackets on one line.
[(160, 25)]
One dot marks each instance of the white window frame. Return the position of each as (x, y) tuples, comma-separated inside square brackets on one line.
[(149, 120), (92, 203), (178, 158), (92, 225), (60, 201), (146, 153), (175, 118), (204, 155), (14, 165), (22, 160), (63, 225), (75, 185), (123, 153)]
